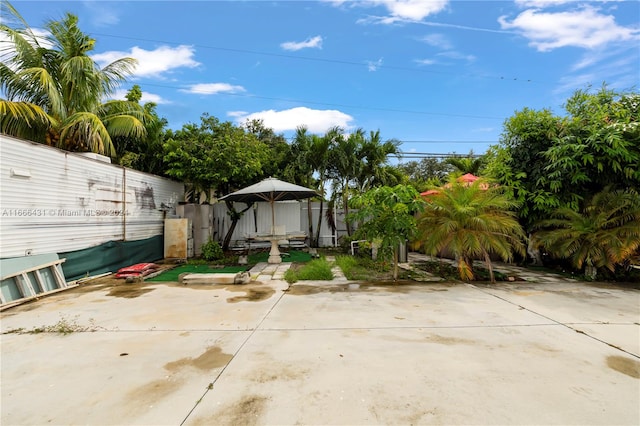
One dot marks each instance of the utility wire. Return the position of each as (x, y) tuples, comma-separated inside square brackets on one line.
[(302, 101), (325, 60)]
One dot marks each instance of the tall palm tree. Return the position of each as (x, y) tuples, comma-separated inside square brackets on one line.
[(344, 167), (470, 221), (300, 167), (55, 93), (604, 234), (320, 162), (375, 169)]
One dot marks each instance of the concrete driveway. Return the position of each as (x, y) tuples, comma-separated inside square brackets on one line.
[(339, 353)]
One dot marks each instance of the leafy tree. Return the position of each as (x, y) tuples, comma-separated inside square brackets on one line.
[(470, 221), (605, 234), (387, 215), (598, 147), (550, 162), (54, 91), (279, 149), (426, 172), (213, 156)]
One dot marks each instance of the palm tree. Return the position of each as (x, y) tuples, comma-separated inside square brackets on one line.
[(55, 93), (470, 221), (320, 163), (375, 170), (466, 165), (604, 234), (344, 167)]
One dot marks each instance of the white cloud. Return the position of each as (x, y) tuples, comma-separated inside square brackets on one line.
[(399, 10), (374, 65), (452, 54), (213, 88), (425, 61), (540, 3), (316, 121), (411, 10), (437, 40), (311, 42), (586, 28), (152, 62), (146, 97)]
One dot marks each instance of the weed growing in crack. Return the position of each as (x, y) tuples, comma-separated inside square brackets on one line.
[(64, 326)]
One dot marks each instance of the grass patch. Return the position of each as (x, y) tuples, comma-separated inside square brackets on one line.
[(316, 269), (358, 268), (296, 256), (173, 274)]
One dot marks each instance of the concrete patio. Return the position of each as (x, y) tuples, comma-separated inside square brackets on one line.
[(323, 353)]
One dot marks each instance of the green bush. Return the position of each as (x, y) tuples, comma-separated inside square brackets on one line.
[(317, 269), (211, 250)]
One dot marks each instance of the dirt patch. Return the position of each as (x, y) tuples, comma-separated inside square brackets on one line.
[(379, 287), (141, 398), (129, 291), (212, 358), (277, 372), (628, 366), (444, 340), (251, 293), (246, 412)]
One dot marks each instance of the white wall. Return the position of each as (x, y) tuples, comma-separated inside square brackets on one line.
[(54, 201)]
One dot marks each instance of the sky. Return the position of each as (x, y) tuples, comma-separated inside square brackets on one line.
[(440, 76)]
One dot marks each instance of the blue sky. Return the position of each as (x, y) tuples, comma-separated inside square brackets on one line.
[(441, 76)]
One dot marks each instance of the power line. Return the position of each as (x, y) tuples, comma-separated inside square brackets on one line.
[(325, 60), (301, 101), (413, 155)]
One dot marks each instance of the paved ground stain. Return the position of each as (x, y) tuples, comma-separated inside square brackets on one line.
[(628, 366), (252, 293), (142, 398), (380, 287), (444, 340), (212, 358), (272, 372), (247, 412), (129, 291)]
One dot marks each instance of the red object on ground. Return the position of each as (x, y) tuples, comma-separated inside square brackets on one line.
[(137, 270)]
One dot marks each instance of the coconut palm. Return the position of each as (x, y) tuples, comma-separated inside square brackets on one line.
[(55, 93), (604, 234), (470, 221)]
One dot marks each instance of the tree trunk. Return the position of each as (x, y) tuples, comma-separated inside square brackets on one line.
[(310, 220), (590, 272), (487, 259), (345, 208), (534, 253), (317, 236), (235, 217), (395, 263)]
